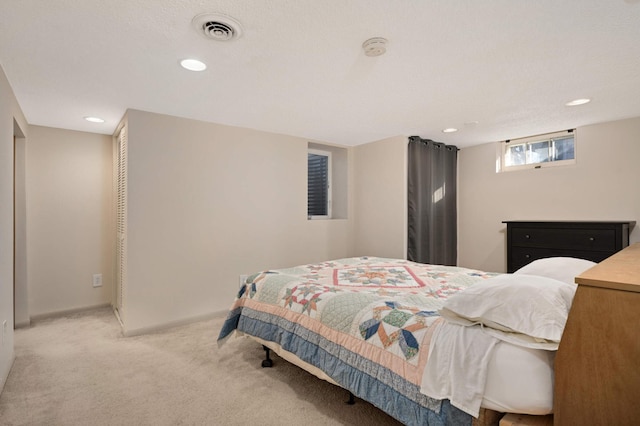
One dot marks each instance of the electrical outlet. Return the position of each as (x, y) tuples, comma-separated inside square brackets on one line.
[(243, 280), (97, 280)]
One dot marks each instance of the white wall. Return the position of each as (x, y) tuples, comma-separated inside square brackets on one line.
[(10, 113), (69, 219), (21, 293), (602, 185), (207, 203), (380, 198)]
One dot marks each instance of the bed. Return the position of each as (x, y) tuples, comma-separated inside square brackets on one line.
[(427, 344)]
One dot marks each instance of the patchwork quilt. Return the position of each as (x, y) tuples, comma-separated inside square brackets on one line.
[(366, 322)]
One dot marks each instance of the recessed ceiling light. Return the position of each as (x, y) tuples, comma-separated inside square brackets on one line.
[(94, 119), (577, 102), (449, 130), (193, 65)]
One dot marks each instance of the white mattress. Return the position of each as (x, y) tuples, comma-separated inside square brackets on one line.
[(474, 370), (519, 380)]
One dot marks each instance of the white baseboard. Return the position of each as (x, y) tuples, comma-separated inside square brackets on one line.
[(5, 374), (64, 312), (135, 331), (23, 324), (171, 324)]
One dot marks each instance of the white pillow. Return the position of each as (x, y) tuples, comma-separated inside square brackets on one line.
[(527, 310), (564, 269)]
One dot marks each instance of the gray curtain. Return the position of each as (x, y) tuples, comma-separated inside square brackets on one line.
[(432, 202)]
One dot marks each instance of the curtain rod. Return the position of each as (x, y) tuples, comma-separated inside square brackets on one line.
[(542, 134), (411, 138)]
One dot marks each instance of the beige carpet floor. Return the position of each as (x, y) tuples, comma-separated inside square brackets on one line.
[(79, 370)]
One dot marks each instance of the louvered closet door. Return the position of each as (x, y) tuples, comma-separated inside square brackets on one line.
[(121, 222)]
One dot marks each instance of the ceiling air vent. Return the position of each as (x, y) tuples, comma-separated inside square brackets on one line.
[(217, 27)]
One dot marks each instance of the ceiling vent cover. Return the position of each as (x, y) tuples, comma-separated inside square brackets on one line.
[(217, 27), (375, 46)]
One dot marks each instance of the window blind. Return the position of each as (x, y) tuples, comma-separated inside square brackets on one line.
[(318, 185)]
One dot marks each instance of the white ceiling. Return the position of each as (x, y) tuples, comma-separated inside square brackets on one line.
[(494, 69)]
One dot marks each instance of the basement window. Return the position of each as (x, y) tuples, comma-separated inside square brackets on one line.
[(551, 149), (328, 178), (318, 184)]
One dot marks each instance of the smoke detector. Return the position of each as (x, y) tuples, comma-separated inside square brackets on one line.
[(217, 27), (375, 46)]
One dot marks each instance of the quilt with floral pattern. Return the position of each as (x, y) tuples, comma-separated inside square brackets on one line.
[(365, 322)]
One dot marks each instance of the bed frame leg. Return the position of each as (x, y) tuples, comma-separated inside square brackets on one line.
[(352, 399), (268, 362)]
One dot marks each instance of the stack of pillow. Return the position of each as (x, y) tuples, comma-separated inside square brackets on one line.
[(528, 308)]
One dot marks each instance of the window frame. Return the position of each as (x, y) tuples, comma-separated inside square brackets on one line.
[(505, 145), (327, 154)]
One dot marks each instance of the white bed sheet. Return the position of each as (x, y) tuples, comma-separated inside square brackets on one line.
[(474, 369)]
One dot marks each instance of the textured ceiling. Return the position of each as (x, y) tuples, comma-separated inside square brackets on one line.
[(494, 69)]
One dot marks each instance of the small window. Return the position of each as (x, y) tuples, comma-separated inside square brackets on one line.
[(318, 184), (553, 149)]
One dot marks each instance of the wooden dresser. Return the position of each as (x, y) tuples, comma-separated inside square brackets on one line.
[(595, 241), (597, 367)]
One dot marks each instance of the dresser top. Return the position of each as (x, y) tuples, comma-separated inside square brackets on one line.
[(619, 272), (630, 222)]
